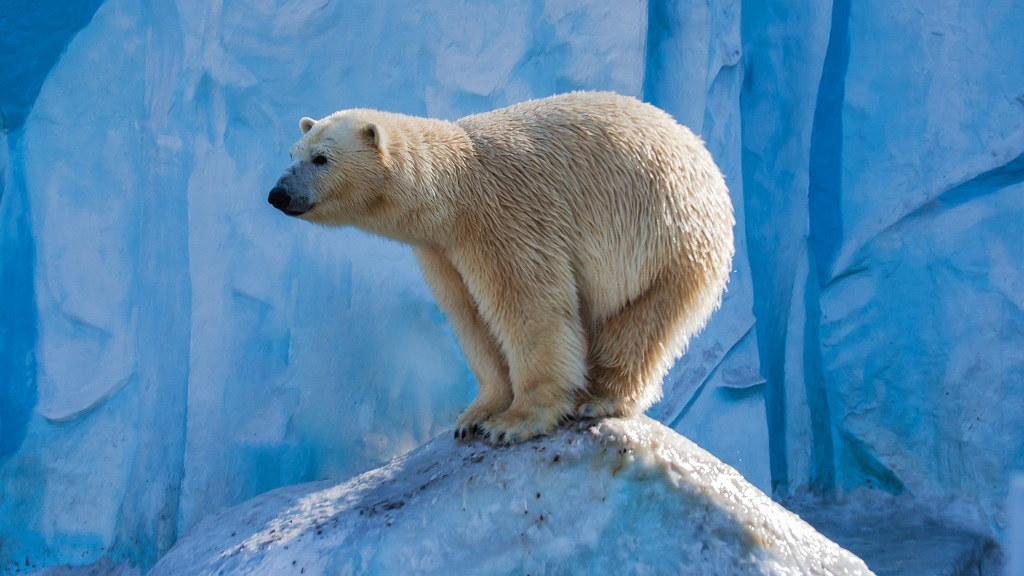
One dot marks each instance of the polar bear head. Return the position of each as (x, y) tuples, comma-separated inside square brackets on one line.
[(389, 174), (340, 172)]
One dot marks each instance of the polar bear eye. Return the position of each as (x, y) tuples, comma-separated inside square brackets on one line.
[(319, 160)]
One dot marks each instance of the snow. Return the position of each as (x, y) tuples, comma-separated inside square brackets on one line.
[(171, 346), (628, 494)]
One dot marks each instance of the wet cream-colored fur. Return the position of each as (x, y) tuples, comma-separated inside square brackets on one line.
[(575, 242)]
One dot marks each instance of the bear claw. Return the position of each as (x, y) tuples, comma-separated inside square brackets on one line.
[(501, 438), (506, 431), (465, 432)]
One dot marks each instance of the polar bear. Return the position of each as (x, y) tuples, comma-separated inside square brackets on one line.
[(575, 242)]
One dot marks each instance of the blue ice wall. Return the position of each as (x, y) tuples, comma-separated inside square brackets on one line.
[(171, 346), (47, 34)]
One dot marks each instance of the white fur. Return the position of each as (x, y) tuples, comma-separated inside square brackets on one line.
[(576, 242)]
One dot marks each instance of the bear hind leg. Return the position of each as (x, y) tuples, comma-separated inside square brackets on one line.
[(633, 349)]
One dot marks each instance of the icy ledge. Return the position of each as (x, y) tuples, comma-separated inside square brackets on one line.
[(622, 496)]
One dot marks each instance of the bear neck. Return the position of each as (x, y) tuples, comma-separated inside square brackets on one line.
[(427, 159)]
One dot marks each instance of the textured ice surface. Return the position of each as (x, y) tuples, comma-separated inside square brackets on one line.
[(611, 496), (922, 317), (102, 567), (170, 345), (896, 537), (882, 179), (1015, 519)]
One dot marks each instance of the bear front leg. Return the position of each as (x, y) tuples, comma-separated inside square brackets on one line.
[(478, 344), (532, 306)]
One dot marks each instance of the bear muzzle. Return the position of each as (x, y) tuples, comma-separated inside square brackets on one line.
[(280, 198)]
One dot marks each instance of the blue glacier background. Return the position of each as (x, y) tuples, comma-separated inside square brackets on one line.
[(171, 345)]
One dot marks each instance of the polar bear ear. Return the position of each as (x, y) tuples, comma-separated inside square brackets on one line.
[(306, 123), (374, 134)]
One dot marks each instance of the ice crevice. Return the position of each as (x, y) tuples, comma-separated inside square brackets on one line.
[(826, 153), (991, 181)]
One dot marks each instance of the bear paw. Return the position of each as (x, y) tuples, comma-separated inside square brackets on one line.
[(468, 426), (518, 425)]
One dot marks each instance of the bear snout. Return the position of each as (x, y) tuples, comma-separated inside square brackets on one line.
[(280, 198)]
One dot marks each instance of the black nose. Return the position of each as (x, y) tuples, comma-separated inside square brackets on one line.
[(279, 199)]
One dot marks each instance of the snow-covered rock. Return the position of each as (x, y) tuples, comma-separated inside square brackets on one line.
[(598, 497)]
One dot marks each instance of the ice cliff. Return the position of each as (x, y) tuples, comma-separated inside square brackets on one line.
[(171, 346)]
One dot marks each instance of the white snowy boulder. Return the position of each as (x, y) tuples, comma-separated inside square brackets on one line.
[(602, 496)]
